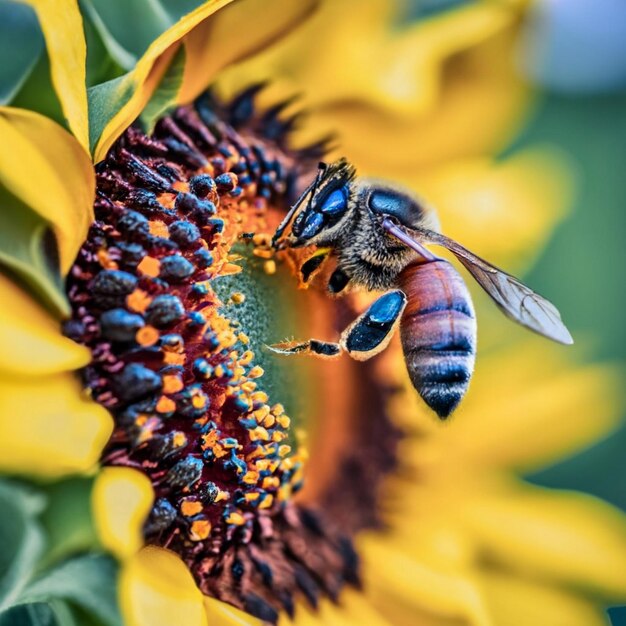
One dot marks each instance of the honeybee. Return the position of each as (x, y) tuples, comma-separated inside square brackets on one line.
[(378, 233)]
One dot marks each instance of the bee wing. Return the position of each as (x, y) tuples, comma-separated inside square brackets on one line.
[(516, 300)]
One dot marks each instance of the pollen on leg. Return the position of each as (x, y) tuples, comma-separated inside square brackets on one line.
[(177, 373)]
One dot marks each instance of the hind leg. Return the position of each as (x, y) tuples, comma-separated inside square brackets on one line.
[(368, 335)]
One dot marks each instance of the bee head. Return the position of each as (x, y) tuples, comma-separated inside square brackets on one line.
[(321, 206)]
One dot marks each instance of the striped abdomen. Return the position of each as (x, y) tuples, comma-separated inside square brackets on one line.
[(438, 331)]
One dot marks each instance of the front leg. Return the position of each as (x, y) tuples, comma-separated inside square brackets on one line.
[(368, 335)]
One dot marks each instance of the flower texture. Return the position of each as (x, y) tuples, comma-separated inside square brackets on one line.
[(319, 490)]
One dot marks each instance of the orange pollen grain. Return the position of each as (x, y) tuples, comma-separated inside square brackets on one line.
[(158, 228), (190, 507), (172, 383), (165, 405), (150, 266), (147, 336), (138, 300), (200, 529)]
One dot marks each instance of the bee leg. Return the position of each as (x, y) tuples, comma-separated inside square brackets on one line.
[(325, 349), (310, 267), (372, 331), (338, 281), (368, 335)]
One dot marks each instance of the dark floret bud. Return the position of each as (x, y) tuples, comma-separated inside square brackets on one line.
[(136, 381), (113, 283), (203, 258), (184, 233), (185, 473), (120, 325), (134, 225), (161, 517), (132, 253), (175, 268), (165, 309), (226, 182), (202, 185)]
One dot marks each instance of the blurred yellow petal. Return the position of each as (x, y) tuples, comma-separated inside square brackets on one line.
[(121, 500), (544, 409), (393, 574), (31, 340), (409, 87), (46, 168), (222, 614), (570, 538), (48, 427), (235, 33), (513, 601), (353, 609), (242, 30), (156, 589), (504, 211), (62, 26)]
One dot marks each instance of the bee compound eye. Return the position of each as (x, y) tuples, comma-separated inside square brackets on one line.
[(312, 225), (335, 204)]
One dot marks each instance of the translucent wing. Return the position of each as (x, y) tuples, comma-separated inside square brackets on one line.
[(515, 299)]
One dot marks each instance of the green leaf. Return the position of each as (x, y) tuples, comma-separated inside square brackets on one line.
[(128, 27), (67, 519), (105, 100), (28, 251), (88, 581), (21, 539), (164, 97), (38, 94), (21, 43), (39, 614)]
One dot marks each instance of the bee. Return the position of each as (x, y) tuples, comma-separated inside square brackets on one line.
[(378, 233)]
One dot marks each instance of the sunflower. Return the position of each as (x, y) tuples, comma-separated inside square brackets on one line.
[(233, 486)]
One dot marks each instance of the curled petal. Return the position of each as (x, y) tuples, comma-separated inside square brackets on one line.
[(31, 342), (47, 169), (156, 589), (48, 428), (228, 37), (62, 26), (121, 500), (568, 538)]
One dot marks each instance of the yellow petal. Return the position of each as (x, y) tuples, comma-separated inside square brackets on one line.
[(394, 576), (31, 340), (504, 211), (513, 601), (121, 500), (221, 614), (62, 26), (569, 538), (48, 427), (541, 410), (157, 589), (231, 41), (46, 168)]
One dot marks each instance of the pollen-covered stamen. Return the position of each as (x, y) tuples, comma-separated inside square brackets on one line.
[(178, 375)]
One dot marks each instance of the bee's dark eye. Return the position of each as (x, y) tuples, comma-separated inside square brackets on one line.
[(395, 204), (335, 203)]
